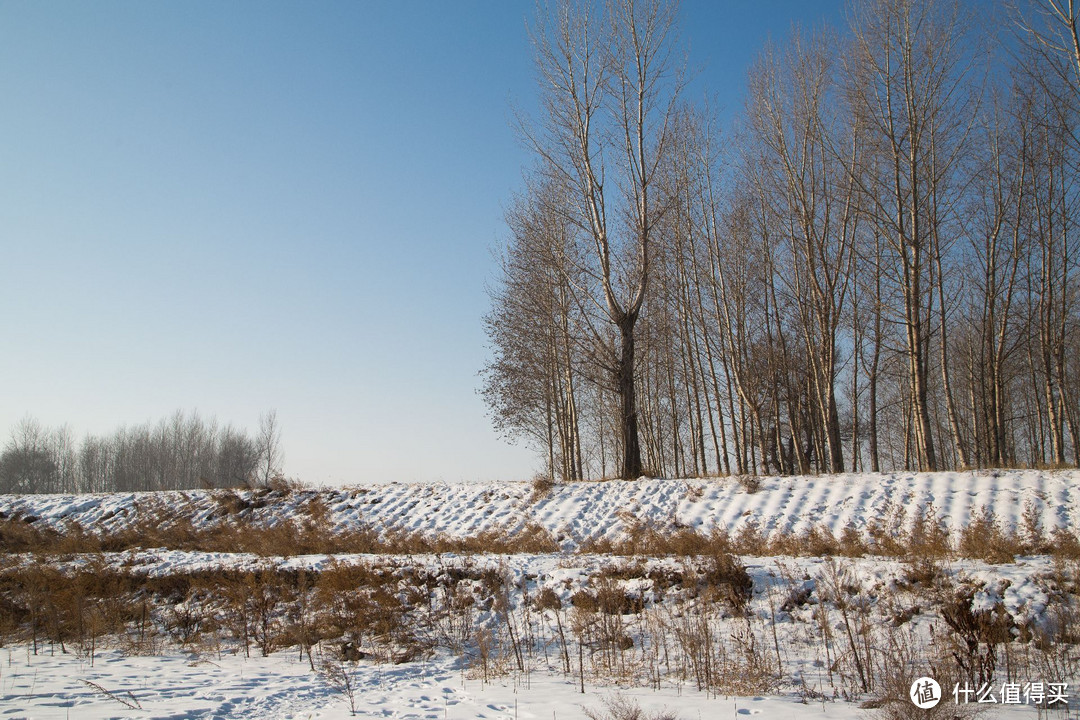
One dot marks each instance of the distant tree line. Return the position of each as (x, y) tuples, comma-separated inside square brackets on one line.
[(876, 269), (181, 452)]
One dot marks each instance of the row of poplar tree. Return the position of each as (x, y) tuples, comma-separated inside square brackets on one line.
[(183, 451), (874, 269)]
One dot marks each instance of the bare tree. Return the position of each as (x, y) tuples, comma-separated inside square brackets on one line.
[(1050, 32), (183, 451), (878, 270), (806, 178), (908, 86), (531, 385), (998, 245), (609, 89), (27, 464), (268, 442), (1050, 62)]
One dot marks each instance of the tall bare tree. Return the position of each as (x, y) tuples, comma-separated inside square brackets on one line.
[(268, 444), (609, 87), (806, 178), (537, 331), (908, 85), (879, 270)]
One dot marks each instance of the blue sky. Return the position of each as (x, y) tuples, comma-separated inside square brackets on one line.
[(239, 206)]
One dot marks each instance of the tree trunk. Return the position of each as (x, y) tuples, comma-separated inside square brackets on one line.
[(624, 381)]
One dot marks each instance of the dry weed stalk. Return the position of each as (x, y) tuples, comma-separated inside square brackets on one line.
[(339, 674), (620, 707)]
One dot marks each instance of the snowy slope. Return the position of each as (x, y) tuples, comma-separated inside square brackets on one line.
[(576, 512)]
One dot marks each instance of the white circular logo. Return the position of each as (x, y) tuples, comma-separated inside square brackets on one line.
[(925, 693)]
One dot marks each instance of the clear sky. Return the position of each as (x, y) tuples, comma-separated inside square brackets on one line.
[(250, 205)]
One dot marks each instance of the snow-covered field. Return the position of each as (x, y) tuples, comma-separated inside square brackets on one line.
[(575, 512), (803, 618), (192, 687), (220, 682)]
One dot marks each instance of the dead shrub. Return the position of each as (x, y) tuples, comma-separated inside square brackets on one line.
[(976, 635), (852, 543), (599, 545), (750, 483), (726, 580), (232, 502), (340, 675), (547, 599), (643, 539), (186, 620), (886, 532), (585, 601), (233, 528), (619, 707), (542, 485), (839, 585), (1053, 644), (816, 540), (984, 538), (928, 537), (749, 669), (902, 662), (1064, 544), (1034, 534), (71, 607), (624, 570), (286, 485), (530, 538), (26, 533), (368, 605), (751, 539), (924, 572), (612, 598)]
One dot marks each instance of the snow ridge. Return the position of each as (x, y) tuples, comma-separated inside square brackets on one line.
[(576, 512)]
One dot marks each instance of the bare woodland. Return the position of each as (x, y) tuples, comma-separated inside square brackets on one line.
[(181, 452), (875, 269)]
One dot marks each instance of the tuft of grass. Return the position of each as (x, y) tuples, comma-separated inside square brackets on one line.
[(542, 485)]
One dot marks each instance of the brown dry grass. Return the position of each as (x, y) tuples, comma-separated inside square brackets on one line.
[(392, 609), (243, 521), (307, 534), (920, 537)]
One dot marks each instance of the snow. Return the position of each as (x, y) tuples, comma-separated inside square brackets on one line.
[(186, 686), (576, 512), (221, 683), (181, 686)]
